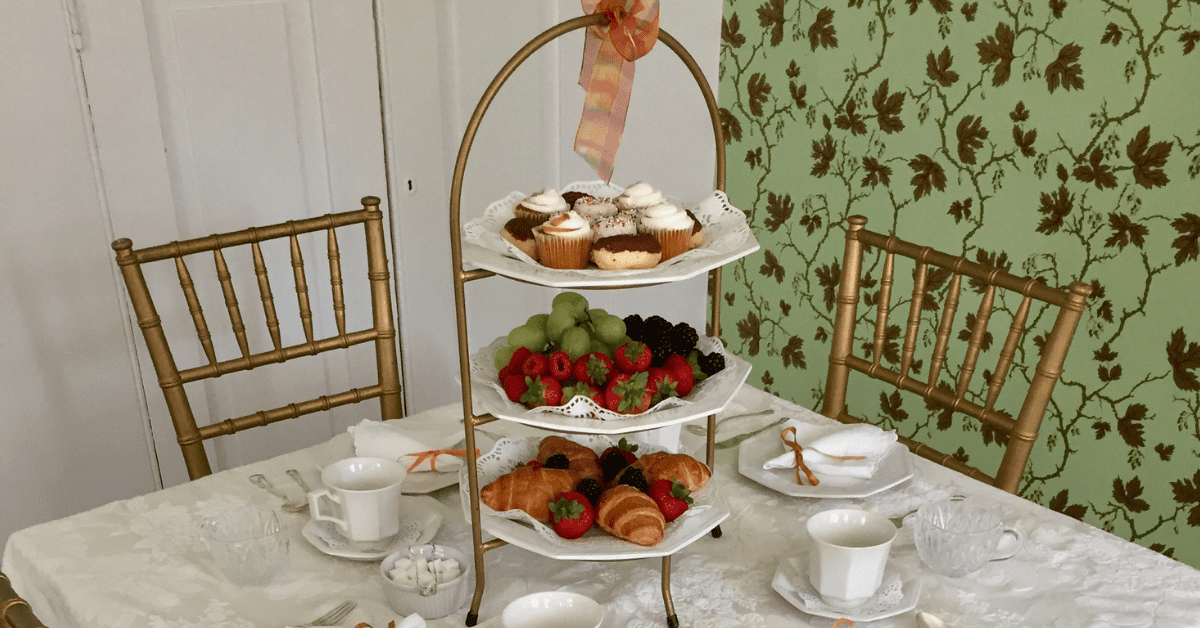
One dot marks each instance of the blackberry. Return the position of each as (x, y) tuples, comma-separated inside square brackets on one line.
[(711, 362), (659, 354), (633, 476), (683, 338), (611, 464), (655, 327), (557, 461), (633, 326), (590, 487)]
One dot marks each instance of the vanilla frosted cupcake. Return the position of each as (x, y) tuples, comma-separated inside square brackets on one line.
[(670, 225), (640, 196), (620, 223), (594, 209), (564, 241), (542, 205)]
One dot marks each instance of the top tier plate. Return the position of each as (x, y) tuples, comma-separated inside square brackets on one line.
[(727, 237)]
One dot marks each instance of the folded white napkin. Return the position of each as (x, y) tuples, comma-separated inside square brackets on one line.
[(405, 439), (822, 442)]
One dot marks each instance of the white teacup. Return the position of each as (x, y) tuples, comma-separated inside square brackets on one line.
[(850, 550), (366, 497)]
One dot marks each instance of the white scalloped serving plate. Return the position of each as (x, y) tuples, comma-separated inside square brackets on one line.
[(518, 528), (727, 237), (583, 415)]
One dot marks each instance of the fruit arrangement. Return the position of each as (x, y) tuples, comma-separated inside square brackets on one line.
[(625, 365), (570, 488)]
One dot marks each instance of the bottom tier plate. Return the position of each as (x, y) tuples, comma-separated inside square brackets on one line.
[(517, 528)]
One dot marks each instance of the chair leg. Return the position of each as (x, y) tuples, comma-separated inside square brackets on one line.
[(672, 619)]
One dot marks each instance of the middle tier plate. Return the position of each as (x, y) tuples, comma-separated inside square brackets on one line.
[(708, 397)]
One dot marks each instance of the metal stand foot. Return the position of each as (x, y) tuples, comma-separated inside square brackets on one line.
[(473, 618), (672, 621), (716, 532)]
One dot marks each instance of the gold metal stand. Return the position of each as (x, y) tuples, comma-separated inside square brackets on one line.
[(470, 419)]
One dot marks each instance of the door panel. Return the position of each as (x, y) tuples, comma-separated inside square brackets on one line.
[(267, 111)]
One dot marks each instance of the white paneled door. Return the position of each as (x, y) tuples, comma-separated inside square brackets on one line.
[(218, 115)]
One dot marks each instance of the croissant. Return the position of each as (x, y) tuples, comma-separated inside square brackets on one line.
[(584, 462), (682, 468), (630, 515), (528, 489)]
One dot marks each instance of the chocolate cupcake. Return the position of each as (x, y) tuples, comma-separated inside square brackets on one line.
[(519, 232)]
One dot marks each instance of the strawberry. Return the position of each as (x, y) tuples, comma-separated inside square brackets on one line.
[(515, 362), (536, 365), (514, 387), (571, 514), (660, 383), (632, 357), (627, 450), (544, 391), (627, 394), (682, 370), (672, 498), (561, 366), (532, 464), (594, 368), (584, 389)]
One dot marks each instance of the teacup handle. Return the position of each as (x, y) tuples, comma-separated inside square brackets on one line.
[(1016, 544), (314, 504)]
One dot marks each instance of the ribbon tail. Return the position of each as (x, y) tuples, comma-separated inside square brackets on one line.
[(605, 105)]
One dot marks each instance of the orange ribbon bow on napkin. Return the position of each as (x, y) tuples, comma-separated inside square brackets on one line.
[(607, 75), (432, 455)]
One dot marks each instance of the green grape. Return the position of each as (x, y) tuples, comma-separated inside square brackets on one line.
[(599, 346), (528, 337), (575, 342), (537, 321), (609, 328), (576, 301), (559, 321), (503, 355), (596, 314)]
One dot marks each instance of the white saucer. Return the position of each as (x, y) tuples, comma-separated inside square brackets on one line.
[(420, 519), (791, 582), (896, 467)]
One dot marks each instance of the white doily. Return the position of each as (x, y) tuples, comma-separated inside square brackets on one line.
[(483, 371), (725, 226), (508, 453)]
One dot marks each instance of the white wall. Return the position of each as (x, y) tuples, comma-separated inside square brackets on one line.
[(71, 432)]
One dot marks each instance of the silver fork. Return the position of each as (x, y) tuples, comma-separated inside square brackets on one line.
[(261, 480), (333, 617)]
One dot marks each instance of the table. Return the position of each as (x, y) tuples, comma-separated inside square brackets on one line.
[(140, 562)]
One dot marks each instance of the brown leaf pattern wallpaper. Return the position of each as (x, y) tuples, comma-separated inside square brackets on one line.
[(1055, 138)]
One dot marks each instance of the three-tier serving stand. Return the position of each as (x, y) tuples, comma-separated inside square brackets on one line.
[(463, 274)]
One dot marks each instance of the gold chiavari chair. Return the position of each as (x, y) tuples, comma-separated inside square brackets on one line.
[(14, 611), (171, 379), (1017, 435)]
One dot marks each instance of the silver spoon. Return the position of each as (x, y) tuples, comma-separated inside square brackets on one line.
[(295, 475), (925, 620), (262, 481)]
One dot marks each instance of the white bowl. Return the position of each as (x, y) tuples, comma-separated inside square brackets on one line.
[(450, 596), (553, 609)]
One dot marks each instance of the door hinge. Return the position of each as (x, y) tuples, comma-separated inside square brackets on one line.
[(76, 26)]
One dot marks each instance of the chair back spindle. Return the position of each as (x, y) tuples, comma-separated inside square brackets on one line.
[(1016, 435)]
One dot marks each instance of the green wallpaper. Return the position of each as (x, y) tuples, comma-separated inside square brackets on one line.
[(1056, 138)]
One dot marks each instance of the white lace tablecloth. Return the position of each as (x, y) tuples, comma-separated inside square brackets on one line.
[(140, 562)]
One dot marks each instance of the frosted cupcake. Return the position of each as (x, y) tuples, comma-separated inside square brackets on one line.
[(541, 206), (670, 225), (620, 223), (564, 241), (594, 209), (639, 196), (620, 252)]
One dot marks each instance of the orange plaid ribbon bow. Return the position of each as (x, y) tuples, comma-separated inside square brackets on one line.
[(607, 75)]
